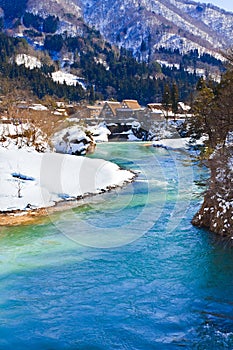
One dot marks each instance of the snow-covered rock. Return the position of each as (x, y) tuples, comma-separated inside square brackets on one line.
[(73, 140), (128, 131), (100, 132)]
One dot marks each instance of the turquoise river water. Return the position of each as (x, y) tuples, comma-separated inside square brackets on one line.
[(124, 270)]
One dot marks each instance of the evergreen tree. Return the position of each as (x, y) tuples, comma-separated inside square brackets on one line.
[(92, 94), (31, 20), (200, 84), (53, 42), (50, 24), (203, 119), (213, 111), (224, 107), (174, 98), (166, 99), (143, 46), (13, 8)]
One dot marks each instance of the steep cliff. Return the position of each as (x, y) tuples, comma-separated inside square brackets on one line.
[(216, 212)]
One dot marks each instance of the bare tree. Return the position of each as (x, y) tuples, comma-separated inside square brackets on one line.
[(19, 188)]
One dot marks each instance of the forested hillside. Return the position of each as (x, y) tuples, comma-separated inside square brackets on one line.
[(37, 81), (13, 8), (107, 72)]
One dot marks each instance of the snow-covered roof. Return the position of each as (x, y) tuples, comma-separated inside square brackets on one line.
[(131, 104), (38, 107)]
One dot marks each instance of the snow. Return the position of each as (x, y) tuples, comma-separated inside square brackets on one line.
[(38, 107), (28, 61), (103, 62), (71, 140), (185, 108), (46, 178), (180, 143), (173, 143), (136, 125), (70, 79), (229, 138), (78, 139), (132, 137), (167, 64), (24, 135), (100, 132)]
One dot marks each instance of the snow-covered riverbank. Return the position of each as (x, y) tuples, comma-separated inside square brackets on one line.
[(32, 180)]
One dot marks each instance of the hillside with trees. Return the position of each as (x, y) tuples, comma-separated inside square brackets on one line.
[(38, 81), (108, 72)]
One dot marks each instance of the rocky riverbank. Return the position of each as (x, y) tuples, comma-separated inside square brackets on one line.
[(216, 212)]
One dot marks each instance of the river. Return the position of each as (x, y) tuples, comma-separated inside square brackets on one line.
[(124, 270)]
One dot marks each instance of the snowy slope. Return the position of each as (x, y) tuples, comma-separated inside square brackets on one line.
[(28, 61), (182, 24), (54, 7), (70, 79), (170, 23)]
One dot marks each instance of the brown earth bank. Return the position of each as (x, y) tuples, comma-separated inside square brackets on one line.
[(216, 212), (31, 217), (22, 218)]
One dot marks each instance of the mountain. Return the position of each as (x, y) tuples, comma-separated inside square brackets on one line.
[(146, 25), (114, 49), (139, 24), (176, 24)]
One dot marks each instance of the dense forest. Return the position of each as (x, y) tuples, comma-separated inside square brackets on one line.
[(36, 80), (124, 77), (13, 8), (118, 74)]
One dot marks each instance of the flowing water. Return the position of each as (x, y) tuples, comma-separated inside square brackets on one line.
[(125, 270)]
